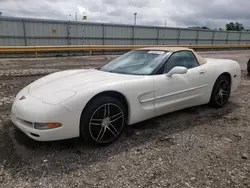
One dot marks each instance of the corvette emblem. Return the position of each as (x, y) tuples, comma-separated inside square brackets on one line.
[(22, 98)]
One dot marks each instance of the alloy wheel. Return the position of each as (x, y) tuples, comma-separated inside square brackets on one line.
[(222, 92), (106, 123)]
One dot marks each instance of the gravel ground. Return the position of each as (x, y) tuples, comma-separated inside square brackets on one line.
[(195, 147)]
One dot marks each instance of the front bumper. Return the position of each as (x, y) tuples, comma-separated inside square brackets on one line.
[(25, 113)]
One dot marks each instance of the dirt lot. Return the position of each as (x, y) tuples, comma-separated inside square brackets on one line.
[(196, 147)]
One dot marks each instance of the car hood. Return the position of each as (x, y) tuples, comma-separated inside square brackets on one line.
[(72, 81)]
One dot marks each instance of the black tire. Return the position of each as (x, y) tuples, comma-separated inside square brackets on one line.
[(221, 92), (248, 67), (97, 124)]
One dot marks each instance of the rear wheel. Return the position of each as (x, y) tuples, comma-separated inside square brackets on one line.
[(221, 92), (103, 120)]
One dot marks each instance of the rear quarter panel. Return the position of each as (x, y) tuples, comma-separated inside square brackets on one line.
[(216, 67)]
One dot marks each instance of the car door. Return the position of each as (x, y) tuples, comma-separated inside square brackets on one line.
[(180, 91)]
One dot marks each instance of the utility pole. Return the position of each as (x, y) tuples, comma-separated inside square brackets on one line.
[(135, 18), (76, 16), (76, 10)]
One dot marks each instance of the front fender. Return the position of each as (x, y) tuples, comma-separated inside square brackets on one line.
[(139, 95)]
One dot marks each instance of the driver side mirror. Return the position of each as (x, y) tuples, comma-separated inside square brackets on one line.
[(177, 70)]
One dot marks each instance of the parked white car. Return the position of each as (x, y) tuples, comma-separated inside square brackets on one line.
[(98, 103)]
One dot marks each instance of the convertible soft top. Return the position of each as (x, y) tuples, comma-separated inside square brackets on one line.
[(200, 59)]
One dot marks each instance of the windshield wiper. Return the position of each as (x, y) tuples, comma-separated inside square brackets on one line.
[(113, 71)]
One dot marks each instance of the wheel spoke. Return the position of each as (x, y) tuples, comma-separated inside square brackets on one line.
[(116, 117), (220, 86), (221, 99), (96, 122), (101, 134), (217, 96), (96, 119), (106, 110), (99, 124), (113, 127), (111, 131), (225, 93), (224, 85)]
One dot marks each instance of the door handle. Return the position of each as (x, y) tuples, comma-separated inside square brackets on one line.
[(202, 72)]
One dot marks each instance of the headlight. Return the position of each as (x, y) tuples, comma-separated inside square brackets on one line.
[(45, 126), (58, 97)]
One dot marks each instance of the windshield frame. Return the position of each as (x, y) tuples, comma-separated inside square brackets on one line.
[(153, 72)]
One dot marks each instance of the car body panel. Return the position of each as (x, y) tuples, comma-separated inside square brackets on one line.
[(186, 90), (26, 112)]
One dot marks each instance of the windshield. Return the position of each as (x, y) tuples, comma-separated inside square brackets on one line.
[(142, 62)]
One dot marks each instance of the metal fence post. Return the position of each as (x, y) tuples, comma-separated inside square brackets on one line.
[(68, 32), (68, 35), (82, 33), (240, 37), (36, 53), (213, 37), (227, 37), (133, 35), (158, 35), (103, 35), (24, 33), (197, 36), (178, 36)]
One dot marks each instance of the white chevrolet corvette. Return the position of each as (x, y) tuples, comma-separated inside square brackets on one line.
[(98, 103)]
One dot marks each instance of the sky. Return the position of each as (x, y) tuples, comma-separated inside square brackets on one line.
[(175, 13)]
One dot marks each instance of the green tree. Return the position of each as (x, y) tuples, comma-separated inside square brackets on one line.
[(234, 26)]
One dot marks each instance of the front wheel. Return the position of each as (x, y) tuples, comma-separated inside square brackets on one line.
[(103, 120), (221, 92)]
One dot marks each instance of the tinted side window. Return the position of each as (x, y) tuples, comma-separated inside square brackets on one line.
[(183, 59)]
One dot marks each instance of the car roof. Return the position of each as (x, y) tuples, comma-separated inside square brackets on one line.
[(200, 59)]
